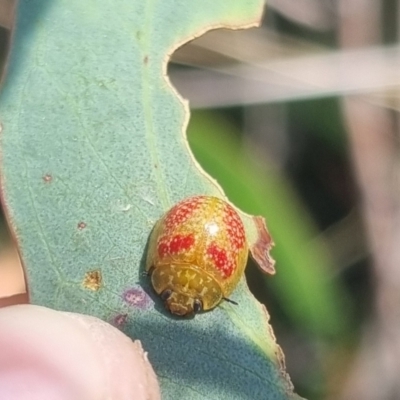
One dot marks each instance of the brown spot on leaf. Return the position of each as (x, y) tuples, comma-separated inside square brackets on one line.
[(136, 297), (146, 60), (92, 280), (260, 251), (119, 320), (81, 225), (47, 178)]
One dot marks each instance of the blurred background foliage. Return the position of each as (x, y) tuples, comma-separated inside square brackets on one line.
[(270, 124)]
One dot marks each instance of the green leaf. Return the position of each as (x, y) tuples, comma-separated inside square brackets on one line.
[(93, 154)]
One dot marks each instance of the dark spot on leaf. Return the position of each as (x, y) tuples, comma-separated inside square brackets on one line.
[(146, 60), (136, 297), (92, 280), (119, 320), (47, 178), (81, 225)]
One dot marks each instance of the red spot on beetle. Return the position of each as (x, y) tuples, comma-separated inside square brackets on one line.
[(234, 228), (181, 212), (175, 245), (221, 260), (180, 243), (163, 249)]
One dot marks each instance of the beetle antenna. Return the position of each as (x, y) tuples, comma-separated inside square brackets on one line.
[(230, 301)]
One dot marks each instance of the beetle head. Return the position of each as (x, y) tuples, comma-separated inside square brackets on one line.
[(180, 303)]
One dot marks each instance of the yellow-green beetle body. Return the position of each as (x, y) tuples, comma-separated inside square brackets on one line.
[(197, 254)]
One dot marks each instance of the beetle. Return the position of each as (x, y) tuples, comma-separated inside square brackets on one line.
[(197, 254)]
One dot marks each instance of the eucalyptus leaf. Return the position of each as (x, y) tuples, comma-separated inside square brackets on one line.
[(93, 153)]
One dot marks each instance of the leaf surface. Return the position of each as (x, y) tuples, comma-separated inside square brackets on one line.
[(93, 153)]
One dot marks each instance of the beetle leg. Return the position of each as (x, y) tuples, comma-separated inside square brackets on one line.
[(148, 272)]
